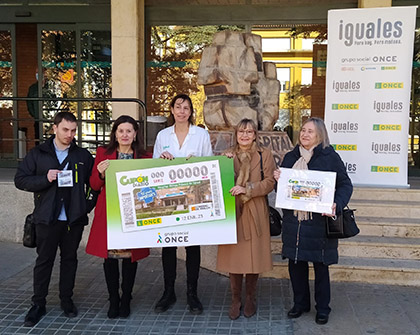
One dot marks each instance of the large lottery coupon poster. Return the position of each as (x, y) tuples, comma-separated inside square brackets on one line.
[(306, 190), (156, 202), (369, 64)]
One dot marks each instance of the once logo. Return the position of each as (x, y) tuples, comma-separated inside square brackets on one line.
[(387, 106), (389, 85), (388, 68), (345, 147), (384, 59), (176, 239), (345, 106), (349, 32), (385, 127), (386, 148), (149, 222), (386, 169)]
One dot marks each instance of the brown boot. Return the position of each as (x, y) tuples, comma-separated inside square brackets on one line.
[(251, 289), (236, 288)]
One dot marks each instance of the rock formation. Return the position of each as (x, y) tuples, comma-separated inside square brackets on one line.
[(237, 83)]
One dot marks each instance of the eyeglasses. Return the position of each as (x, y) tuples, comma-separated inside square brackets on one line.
[(247, 132)]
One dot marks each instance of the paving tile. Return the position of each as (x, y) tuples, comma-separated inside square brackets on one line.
[(356, 308)]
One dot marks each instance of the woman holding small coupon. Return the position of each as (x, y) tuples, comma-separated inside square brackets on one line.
[(125, 143), (251, 256), (183, 139), (304, 233)]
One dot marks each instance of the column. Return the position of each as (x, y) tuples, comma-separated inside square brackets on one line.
[(127, 39), (374, 3)]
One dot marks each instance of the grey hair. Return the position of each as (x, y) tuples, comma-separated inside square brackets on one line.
[(320, 129)]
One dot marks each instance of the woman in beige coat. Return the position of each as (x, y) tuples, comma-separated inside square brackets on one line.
[(252, 254)]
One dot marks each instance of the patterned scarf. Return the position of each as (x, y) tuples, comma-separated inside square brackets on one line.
[(244, 158), (302, 164)]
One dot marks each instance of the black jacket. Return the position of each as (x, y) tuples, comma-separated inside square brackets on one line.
[(31, 176), (308, 240)]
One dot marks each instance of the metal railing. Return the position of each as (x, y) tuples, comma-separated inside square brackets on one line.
[(16, 120)]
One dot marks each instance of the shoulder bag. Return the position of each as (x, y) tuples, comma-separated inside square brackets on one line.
[(274, 216), (29, 236), (342, 225)]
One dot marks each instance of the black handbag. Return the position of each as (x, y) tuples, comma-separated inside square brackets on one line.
[(342, 225), (274, 217), (275, 221), (29, 236)]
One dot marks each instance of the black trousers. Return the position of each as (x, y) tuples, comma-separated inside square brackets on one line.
[(299, 276), (192, 263), (48, 239)]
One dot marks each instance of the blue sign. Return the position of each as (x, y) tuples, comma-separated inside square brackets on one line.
[(146, 194)]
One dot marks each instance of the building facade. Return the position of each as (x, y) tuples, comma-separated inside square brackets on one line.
[(102, 49)]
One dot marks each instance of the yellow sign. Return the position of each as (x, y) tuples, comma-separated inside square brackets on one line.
[(345, 106), (149, 222), (389, 85), (345, 147), (384, 127), (387, 169)]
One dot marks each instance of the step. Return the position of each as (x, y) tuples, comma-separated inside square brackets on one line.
[(380, 247), (372, 247), (364, 270), (388, 227), (384, 208), (360, 193)]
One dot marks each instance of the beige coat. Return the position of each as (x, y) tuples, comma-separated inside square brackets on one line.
[(252, 253)]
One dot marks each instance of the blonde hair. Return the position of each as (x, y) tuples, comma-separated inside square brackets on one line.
[(320, 129), (243, 124)]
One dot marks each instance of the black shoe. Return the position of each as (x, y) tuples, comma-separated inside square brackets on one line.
[(296, 312), (167, 300), (114, 307), (34, 315), (321, 318), (125, 306), (69, 308), (194, 303)]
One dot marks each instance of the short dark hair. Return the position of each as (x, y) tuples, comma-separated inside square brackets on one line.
[(184, 97), (60, 116)]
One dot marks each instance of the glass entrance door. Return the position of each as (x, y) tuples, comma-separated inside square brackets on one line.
[(76, 62), (8, 147)]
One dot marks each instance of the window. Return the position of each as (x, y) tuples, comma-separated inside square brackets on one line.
[(307, 43), (275, 44), (306, 78), (283, 120), (283, 75), (7, 149)]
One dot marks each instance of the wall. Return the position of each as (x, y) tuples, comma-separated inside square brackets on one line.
[(14, 206)]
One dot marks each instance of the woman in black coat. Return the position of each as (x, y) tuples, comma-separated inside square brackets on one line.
[(304, 233)]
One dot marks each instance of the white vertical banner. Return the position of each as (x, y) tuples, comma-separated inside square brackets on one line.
[(368, 84)]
